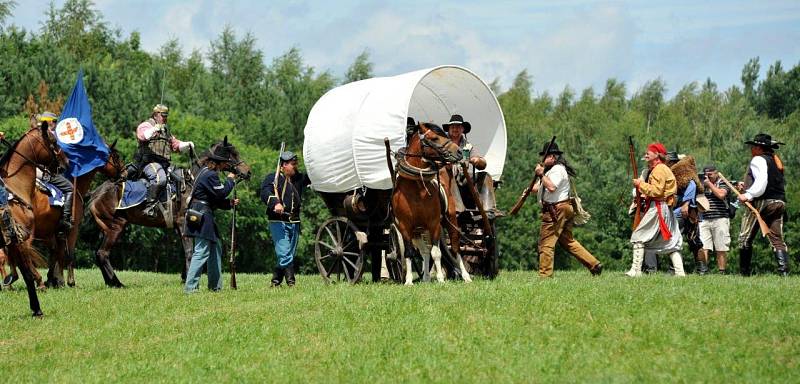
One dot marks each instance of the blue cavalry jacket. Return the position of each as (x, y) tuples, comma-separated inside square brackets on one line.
[(290, 192), (209, 194)]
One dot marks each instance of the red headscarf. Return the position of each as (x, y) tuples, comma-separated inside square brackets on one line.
[(657, 148)]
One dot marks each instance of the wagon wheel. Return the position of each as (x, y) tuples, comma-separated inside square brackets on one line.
[(490, 263), (394, 258), (337, 251)]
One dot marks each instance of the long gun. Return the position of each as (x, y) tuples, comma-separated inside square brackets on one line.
[(232, 260), (278, 173), (761, 223), (528, 190), (637, 216)]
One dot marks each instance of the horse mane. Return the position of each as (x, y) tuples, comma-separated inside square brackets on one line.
[(9, 152)]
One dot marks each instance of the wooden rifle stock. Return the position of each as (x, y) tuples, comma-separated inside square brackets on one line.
[(521, 201), (761, 223), (637, 216)]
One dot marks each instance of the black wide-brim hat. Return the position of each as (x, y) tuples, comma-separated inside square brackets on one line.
[(764, 140), (553, 150), (221, 152), (458, 119)]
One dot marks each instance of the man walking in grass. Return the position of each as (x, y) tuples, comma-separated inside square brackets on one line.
[(558, 215), (764, 185), (658, 230)]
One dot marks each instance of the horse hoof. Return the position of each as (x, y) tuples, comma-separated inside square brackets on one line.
[(38, 314), (10, 279), (71, 284)]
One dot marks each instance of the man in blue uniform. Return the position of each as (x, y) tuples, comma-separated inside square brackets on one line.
[(209, 194), (283, 199)]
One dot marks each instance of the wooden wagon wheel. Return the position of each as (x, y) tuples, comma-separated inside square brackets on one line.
[(394, 257), (337, 252)]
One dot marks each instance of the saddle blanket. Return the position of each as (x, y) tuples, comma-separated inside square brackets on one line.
[(54, 195), (134, 192)]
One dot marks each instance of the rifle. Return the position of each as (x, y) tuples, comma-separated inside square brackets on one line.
[(761, 223), (528, 190), (232, 259), (637, 216), (278, 173)]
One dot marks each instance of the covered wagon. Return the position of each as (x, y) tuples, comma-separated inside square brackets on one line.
[(346, 160)]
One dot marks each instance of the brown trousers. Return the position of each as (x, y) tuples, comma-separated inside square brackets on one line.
[(559, 229)]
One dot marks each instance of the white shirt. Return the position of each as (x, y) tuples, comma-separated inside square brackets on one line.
[(758, 166), (558, 175)]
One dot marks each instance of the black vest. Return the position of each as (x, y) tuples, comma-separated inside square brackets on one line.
[(775, 183)]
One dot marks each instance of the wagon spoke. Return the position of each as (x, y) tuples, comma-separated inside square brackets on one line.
[(327, 255), (338, 233), (331, 234), (326, 245), (347, 275), (350, 262), (346, 246), (351, 254)]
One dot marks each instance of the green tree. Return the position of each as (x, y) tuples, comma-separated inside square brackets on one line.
[(6, 7), (360, 69)]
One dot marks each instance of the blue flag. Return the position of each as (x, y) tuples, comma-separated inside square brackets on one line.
[(76, 134)]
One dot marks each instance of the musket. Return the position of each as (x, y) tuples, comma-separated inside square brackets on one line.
[(761, 223), (637, 200), (278, 173), (232, 260), (528, 190)]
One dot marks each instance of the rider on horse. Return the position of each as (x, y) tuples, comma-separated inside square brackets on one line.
[(153, 156), (49, 120)]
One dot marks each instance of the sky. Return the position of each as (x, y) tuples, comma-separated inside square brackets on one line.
[(575, 43)]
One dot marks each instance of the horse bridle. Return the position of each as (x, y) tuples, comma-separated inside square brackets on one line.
[(51, 148), (441, 152)]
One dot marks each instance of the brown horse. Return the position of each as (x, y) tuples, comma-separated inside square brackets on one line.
[(36, 148), (112, 221), (62, 250), (417, 201)]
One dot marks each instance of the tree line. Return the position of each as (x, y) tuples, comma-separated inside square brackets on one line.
[(232, 89)]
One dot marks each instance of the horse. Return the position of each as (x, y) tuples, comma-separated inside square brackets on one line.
[(418, 201), (112, 221), (62, 248), (36, 148)]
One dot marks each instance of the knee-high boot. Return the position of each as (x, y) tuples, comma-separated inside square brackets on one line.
[(745, 256), (677, 263), (783, 262), (66, 214), (636, 264)]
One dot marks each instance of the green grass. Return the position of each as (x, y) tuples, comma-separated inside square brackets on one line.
[(514, 329)]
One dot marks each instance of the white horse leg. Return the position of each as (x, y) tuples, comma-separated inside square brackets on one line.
[(384, 269), (409, 275), (464, 273), (436, 253)]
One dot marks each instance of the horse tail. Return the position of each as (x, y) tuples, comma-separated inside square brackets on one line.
[(30, 253)]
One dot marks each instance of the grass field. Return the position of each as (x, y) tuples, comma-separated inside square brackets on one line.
[(514, 329)]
